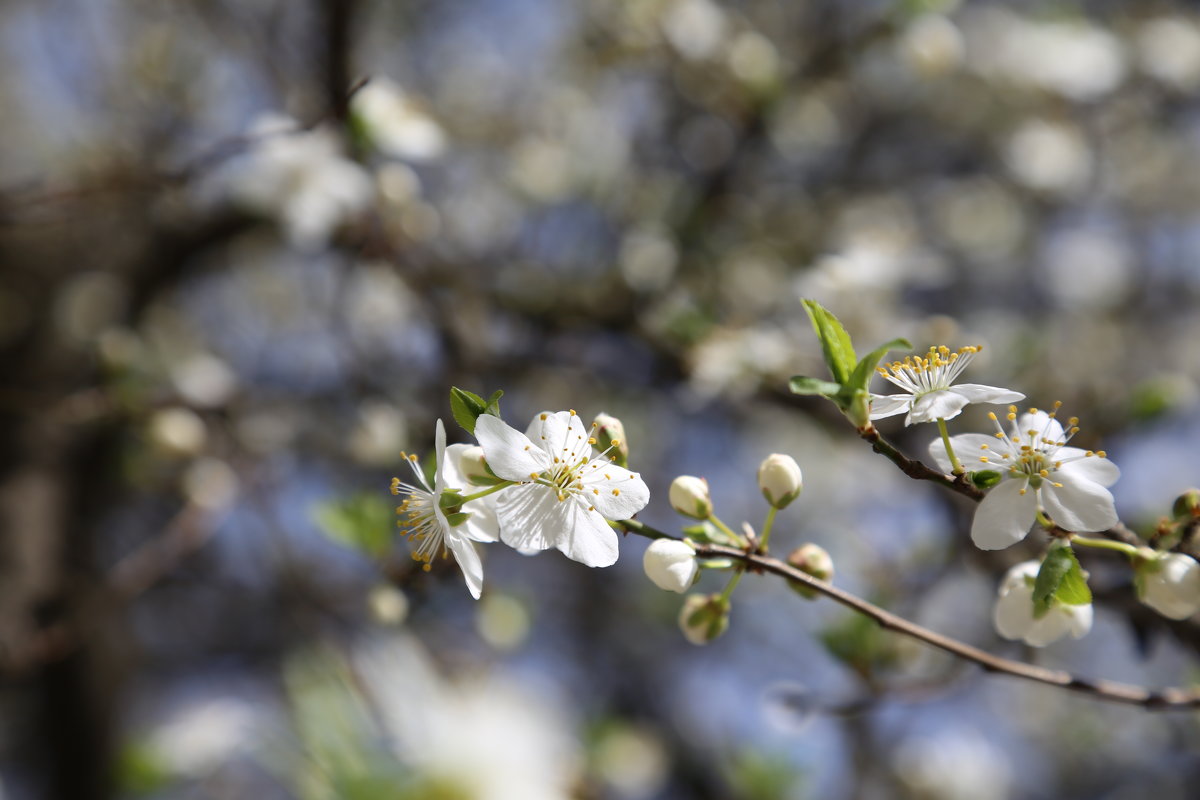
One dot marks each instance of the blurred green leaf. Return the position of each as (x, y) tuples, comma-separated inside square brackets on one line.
[(364, 521), (860, 643), (803, 385), (140, 771), (467, 406), (758, 776), (835, 342), (1060, 578)]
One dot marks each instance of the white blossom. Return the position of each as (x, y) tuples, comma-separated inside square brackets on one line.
[(780, 479), (567, 490), (1170, 585), (396, 123), (299, 177), (671, 564), (1013, 613), (423, 516), (689, 496), (929, 395), (1038, 472)]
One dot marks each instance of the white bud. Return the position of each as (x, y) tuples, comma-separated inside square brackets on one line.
[(610, 436), (178, 431), (703, 617), (473, 465), (671, 564), (780, 479), (1171, 585), (1013, 613), (689, 496), (810, 559)]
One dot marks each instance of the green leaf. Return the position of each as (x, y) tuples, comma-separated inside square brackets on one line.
[(493, 403), (865, 369), (1060, 578), (835, 342), (467, 406), (810, 386), (363, 521), (985, 478)]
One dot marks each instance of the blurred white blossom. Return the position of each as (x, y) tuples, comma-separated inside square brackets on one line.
[(395, 122), (300, 177)]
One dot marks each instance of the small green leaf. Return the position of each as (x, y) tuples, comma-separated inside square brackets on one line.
[(1060, 578), (985, 478), (458, 518), (863, 372), (493, 403), (835, 342), (467, 406), (363, 521), (810, 386)]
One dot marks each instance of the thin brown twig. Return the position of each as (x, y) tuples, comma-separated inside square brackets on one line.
[(1169, 699)]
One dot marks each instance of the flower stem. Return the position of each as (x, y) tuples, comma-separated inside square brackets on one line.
[(726, 529), (958, 468), (766, 530), (1106, 544), (733, 582), (487, 491)]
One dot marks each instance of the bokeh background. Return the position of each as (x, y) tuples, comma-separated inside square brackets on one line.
[(237, 282)]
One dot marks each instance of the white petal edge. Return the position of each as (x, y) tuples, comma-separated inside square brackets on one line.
[(1004, 516), (468, 560), (943, 403), (1078, 504), (889, 405), (510, 453)]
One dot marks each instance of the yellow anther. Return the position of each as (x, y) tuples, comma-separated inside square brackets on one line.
[(591, 440), (1090, 453), (533, 476), (542, 416), (1012, 409), (616, 492), (1102, 454), (426, 567), (526, 447), (412, 457), (1045, 473), (1057, 485), (984, 459), (572, 412), (591, 508), (1022, 492), (607, 477), (595, 491)]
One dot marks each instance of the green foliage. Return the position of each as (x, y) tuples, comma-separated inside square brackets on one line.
[(852, 375), (985, 478), (1060, 578), (835, 342), (758, 776), (140, 771), (363, 521), (860, 643), (467, 406)]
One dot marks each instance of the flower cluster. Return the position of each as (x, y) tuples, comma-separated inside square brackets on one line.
[(549, 487)]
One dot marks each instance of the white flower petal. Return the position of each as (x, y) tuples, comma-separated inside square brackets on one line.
[(528, 517), (943, 403), (616, 492), (1079, 619), (587, 536), (1013, 613), (510, 453), (889, 405), (484, 524), (1049, 628), (562, 436), (1042, 424), (978, 393), (468, 560), (1004, 516), (969, 448), (1078, 504), (439, 454), (1097, 469)]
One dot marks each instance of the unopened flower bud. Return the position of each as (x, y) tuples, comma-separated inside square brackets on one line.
[(671, 564), (1170, 585), (811, 559), (610, 436), (703, 617), (473, 466), (1014, 615), (780, 479), (1187, 505), (689, 496)]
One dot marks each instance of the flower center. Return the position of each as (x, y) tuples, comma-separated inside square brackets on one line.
[(936, 370), (1030, 454), (418, 517)]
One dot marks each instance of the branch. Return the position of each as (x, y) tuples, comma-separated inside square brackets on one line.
[(1171, 699), (920, 472)]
